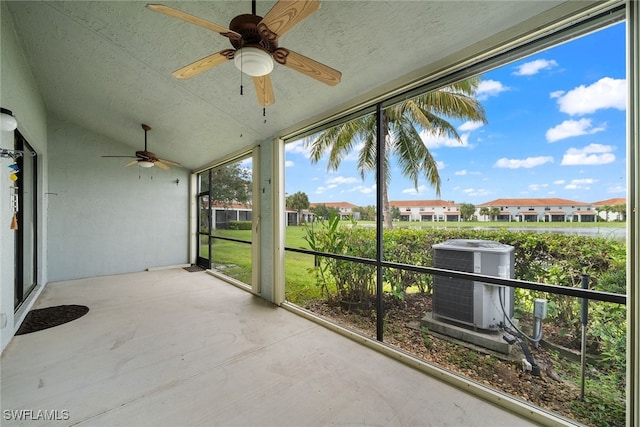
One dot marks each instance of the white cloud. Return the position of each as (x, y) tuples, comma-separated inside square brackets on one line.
[(342, 180), (476, 192), (605, 93), (468, 126), (557, 94), (592, 154), (570, 128), (488, 88), (559, 182), (529, 162), (322, 189), (440, 165), (299, 147), (412, 190), (461, 173), (289, 164), (363, 189), (580, 184), (537, 187), (583, 181), (617, 189), (533, 67), (432, 141)]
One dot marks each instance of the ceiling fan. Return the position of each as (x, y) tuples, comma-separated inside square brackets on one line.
[(255, 45), (147, 159)]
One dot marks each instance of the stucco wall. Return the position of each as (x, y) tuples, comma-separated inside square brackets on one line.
[(108, 219), (18, 93)]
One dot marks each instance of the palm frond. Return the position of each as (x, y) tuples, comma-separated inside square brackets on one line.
[(403, 124)]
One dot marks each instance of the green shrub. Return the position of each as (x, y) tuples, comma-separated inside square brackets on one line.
[(354, 283), (240, 225)]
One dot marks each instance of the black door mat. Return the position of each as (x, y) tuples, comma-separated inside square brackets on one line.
[(45, 318), (194, 268)]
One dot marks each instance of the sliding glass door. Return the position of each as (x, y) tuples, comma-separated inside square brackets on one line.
[(204, 220), (26, 218)]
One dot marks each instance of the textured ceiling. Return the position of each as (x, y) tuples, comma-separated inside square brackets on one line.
[(106, 65)]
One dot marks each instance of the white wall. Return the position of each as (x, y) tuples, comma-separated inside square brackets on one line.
[(108, 219), (268, 189), (94, 216), (18, 93)]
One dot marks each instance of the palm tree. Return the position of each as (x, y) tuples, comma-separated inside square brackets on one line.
[(494, 212), (402, 125), (484, 211)]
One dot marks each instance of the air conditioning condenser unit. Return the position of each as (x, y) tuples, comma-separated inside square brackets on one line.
[(468, 302)]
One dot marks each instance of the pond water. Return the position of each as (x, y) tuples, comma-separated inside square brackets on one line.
[(605, 232), (617, 233)]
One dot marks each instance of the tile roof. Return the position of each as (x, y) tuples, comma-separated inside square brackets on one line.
[(421, 203), (547, 202), (230, 205), (334, 204), (532, 202), (611, 202)]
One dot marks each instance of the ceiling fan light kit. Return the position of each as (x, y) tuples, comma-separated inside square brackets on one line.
[(253, 61), (254, 42), (8, 123)]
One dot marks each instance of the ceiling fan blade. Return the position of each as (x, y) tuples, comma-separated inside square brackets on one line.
[(307, 66), (201, 65), (161, 165), (264, 90), (131, 163), (175, 13), (169, 162), (286, 14)]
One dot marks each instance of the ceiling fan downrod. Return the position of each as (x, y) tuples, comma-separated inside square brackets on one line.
[(146, 128)]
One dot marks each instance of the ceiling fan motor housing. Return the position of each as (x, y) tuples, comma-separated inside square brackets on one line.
[(247, 26)]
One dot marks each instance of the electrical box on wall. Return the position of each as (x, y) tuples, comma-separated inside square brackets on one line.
[(473, 303)]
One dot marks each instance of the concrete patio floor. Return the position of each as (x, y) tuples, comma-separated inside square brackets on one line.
[(173, 348)]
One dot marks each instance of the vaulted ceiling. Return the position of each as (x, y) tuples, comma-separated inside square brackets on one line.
[(106, 65)]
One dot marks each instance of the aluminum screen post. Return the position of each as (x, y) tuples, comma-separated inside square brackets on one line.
[(584, 314), (380, 176)]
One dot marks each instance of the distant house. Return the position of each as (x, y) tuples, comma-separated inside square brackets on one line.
[(609, 210), (344, 208), (539, 210), (222, 215), (293, 218), (427, 210)]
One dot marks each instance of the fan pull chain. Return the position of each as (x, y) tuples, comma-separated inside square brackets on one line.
[(264, 96), (241, 73)]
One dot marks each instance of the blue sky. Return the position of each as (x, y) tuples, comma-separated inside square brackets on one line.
[(556, 128)]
